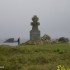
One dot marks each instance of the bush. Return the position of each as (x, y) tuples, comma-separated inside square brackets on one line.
[(46, 37), (63, 40)]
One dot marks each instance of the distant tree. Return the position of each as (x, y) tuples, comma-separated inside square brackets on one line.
[(46, 37), (63, 39)]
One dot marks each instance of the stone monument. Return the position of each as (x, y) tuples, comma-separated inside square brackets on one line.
[(35, 33)]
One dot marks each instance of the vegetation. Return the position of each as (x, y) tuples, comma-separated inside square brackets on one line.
[(35, 57), (46, 37), (63, 40)]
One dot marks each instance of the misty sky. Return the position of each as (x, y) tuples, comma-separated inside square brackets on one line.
[(15, 17)]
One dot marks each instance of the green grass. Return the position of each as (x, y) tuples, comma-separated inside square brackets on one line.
[(35, 57)]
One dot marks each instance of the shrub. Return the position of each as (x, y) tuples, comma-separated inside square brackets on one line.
[(46, 37), (63, 40)]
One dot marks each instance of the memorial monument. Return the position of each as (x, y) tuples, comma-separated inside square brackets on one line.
[(35, 33)]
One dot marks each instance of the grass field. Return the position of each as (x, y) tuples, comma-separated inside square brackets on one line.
[(35, 57)]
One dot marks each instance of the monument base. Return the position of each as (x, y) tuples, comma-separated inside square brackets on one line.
[(34, 35)]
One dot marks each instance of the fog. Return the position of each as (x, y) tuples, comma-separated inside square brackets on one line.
[(15, 17)]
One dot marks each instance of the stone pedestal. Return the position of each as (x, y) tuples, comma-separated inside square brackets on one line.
[(34, 35)]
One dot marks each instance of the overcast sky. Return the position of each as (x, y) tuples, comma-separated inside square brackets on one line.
[(15, 17)]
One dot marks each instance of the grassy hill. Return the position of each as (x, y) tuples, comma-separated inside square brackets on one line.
[(35, 57)]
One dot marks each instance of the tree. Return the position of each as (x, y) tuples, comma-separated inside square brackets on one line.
[(63, 39)]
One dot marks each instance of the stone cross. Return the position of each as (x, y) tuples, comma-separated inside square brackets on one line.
[(35, 33)]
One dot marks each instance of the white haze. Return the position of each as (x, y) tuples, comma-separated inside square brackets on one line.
[(15, 17)]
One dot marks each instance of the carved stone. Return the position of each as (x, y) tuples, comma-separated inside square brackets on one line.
[(35, 33)]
